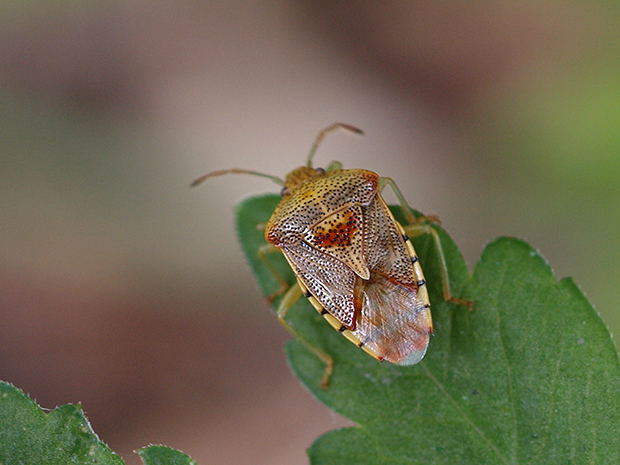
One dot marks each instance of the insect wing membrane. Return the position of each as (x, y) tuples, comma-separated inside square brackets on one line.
[(395, 319)]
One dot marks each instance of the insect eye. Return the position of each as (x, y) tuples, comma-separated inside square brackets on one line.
[(321, 171), (284, 191)]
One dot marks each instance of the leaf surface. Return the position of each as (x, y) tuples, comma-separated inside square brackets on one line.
[(163, 455), (30, 436), (529, 376)]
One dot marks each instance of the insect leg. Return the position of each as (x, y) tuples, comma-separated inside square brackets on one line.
[(291, 295), (418, 226), (288, 300), (414, 230), (263, 250), (407, 211)]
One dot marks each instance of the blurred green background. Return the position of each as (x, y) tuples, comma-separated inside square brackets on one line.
[(122, 288)]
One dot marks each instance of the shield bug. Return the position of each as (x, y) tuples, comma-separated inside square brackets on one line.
[(353, 261)]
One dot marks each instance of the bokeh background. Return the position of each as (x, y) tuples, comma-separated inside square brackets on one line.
[(124, 289)]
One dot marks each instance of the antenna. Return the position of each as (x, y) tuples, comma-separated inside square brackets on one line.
[(212, 174), (326, 131)]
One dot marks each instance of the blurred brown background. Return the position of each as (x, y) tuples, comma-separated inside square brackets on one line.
[(125, 290)]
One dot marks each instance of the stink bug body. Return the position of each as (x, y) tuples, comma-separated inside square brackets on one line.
[(352, 259)]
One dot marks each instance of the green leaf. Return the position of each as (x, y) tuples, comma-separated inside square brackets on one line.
[(164, 455), (29, 436), (529, 376)]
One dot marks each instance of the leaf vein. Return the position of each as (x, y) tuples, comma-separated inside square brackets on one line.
[(463, 414), (500, 291)]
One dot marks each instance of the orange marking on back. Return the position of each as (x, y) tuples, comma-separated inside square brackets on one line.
[(340, 232)]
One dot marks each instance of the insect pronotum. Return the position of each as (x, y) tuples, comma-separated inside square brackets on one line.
[(353, 261)]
